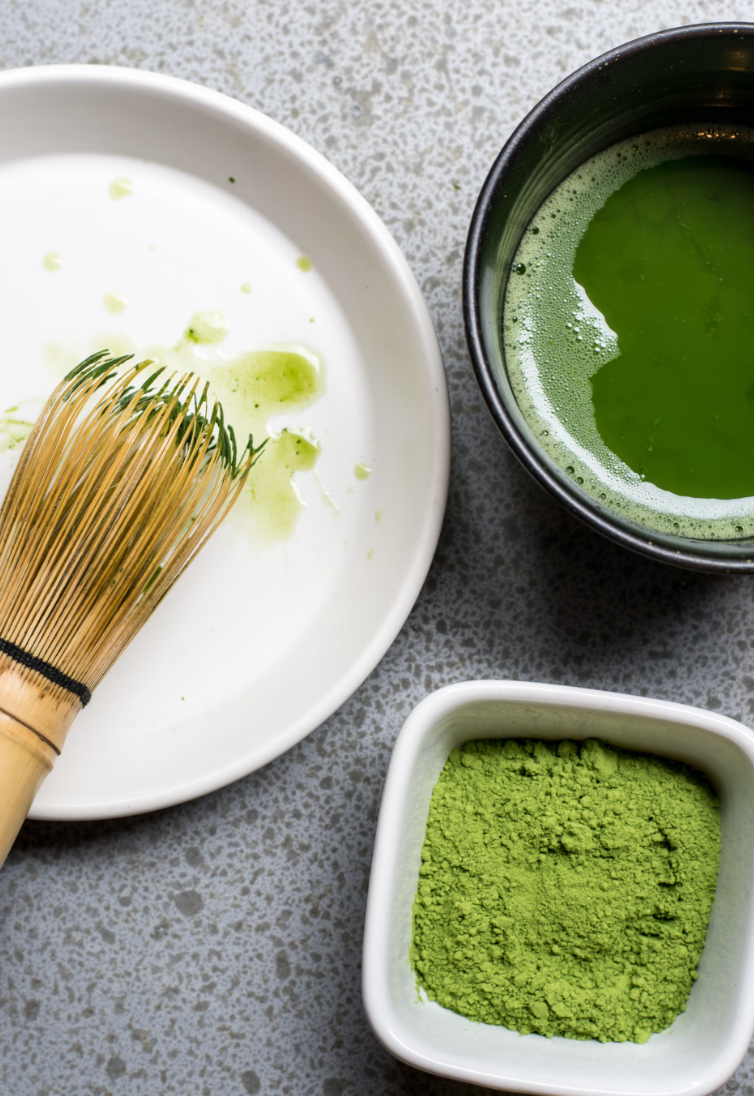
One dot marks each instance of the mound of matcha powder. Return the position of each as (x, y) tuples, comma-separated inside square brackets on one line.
[(565, 889)]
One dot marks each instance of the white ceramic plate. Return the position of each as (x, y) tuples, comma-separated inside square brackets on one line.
[(261, 640)]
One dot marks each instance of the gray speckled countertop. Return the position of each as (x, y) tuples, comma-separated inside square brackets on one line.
[(214, 948)]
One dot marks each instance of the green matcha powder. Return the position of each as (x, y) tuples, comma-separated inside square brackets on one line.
[(565, 889)]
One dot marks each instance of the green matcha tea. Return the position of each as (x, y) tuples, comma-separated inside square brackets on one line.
[(565, 888), (629, 330)]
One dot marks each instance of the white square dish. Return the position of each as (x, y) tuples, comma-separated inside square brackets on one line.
[(706, 1043)]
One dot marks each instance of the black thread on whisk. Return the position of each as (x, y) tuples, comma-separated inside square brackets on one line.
[(46, 669)]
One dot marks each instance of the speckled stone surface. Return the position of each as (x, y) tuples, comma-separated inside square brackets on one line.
[(214, 948)]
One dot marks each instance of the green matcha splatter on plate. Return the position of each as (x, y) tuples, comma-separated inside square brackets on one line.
[(255, 387)]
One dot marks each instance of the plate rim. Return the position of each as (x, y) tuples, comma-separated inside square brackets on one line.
[(380, 238)]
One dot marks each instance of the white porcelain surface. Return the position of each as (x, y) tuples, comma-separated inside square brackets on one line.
[(259, 642), (706, 1043)]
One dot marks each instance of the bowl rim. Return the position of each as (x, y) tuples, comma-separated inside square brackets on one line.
[(381, 1013), (575, 502)]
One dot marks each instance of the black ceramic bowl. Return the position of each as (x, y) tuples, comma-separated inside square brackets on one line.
[(691, 74)]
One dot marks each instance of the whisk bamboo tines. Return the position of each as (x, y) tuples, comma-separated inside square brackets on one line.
[(124, 477)]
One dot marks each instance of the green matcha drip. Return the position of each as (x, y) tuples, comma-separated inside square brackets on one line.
[(565, 890), (254, 387)]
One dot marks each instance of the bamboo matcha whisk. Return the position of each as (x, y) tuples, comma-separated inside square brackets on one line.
[(121, 482)]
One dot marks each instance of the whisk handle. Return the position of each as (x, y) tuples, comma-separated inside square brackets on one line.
[(25, 760)]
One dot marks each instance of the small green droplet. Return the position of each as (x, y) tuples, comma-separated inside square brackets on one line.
[(362, 471), (114, 302), (231, 179), (207, 327), (122, 187), (246, 288), (52, 261), (303, 262)]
